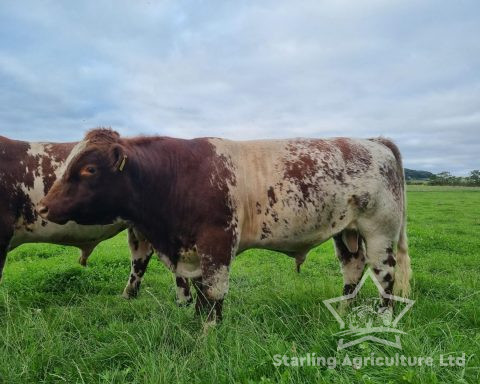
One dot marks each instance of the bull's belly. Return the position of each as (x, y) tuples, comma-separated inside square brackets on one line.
[(68, 234), (289, 242), (291, 237)]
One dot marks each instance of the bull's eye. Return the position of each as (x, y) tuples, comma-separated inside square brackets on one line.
[(89, 170)]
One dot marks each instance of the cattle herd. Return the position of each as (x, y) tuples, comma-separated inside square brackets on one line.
[(197, 203)]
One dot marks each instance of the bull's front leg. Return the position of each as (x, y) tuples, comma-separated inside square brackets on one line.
[(210, 297), (141, 251), (3, 257), (215, 250), (184, 296)]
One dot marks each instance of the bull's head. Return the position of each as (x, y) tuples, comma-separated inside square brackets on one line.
[(92, 188)]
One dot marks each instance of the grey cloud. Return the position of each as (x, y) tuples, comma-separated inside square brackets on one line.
[(404, 69)]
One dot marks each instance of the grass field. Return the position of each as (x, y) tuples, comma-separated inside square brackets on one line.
[(64, 323)]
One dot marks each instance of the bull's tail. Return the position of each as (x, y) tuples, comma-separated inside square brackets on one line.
[(403, 271)]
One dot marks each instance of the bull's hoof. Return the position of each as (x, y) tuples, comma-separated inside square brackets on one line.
[(208, 326), (129, 294), (82, 261), (184, 302), (344, 307), (386, 314)]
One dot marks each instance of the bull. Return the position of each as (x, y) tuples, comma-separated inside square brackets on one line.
[(200, 202)]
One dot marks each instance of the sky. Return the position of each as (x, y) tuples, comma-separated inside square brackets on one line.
[(408, 70)]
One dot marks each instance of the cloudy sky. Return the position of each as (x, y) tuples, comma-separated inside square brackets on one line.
[(409, 70)]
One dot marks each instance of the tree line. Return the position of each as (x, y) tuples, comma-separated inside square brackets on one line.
[(446, 178)]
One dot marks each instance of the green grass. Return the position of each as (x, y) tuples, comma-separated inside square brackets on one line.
[(64, 323), (439, 188)]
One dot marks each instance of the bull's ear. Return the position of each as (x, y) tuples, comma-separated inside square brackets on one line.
[(119, 157)]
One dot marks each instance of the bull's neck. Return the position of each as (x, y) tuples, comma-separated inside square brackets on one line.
[(151, 175)]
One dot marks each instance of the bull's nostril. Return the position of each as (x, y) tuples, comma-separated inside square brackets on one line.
[(43, 210)]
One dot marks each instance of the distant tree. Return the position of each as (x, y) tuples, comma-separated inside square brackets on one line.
[(445, 175), (474, 178), (433, 180), (446, 178)]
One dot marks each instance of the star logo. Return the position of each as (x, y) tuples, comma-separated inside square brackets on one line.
[(364, 322)]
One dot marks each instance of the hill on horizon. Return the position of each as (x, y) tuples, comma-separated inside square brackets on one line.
[(412, 174)]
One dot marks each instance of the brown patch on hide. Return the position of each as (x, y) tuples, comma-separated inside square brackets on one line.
[(58, 153), (272, 199), (356, 157), (301, 168), (393, 179), (360, 201), (266, 231)]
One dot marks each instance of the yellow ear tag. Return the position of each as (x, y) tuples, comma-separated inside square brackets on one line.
[(122, 164)]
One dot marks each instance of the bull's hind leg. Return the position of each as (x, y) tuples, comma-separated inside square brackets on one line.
[(141, 251), (353, 263), (381, 258)]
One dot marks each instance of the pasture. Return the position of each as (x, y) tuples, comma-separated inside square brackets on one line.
[(61, 322)]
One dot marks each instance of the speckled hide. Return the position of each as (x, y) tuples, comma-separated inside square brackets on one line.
[(204, 200)]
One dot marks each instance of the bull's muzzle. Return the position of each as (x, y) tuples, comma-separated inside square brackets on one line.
[(42, 210)]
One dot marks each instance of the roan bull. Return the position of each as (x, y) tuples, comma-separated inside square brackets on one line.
[(27, 171), (200, 202)]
